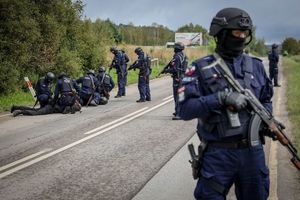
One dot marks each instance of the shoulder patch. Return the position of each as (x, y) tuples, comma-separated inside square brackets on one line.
[(190, 70)]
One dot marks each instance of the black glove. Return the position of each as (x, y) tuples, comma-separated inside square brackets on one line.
[(234, 100)]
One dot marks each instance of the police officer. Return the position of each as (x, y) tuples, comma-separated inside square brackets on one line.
[(273, 64), (126, 60), (106, 83), (119, 64), (144, 73), (89, 83), (43, 89), (65, 95), (223, 119), (176, 68)]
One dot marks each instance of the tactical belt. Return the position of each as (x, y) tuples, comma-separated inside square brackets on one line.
[(241, 144)]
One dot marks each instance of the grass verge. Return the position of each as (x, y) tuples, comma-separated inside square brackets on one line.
[(291, 71)]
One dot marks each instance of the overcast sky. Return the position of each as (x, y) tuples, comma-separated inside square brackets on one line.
[(274, 19)]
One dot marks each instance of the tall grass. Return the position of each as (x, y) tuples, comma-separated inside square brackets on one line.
[(292, 72), (17, 98)]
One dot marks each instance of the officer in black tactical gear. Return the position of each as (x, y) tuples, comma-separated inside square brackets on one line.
[(176, 68), (65, 95), (273, 64), (119, 63), (228, 156), (43, 92), (43, 89), (144, 73), (88, 92), (106, 83)]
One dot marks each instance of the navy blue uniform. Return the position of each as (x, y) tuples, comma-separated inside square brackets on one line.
[(243, 166), (273, 66), (177, 69), (144, 75), (106, 84), (65, 94), (120, 65), (43, 91), (89, 84), (126, 60)]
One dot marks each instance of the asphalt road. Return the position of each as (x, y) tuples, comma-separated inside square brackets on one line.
[(105, 152), (123, 150)]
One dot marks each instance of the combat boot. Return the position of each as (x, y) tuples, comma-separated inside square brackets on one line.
[(17, 112), (140, 100), (176, 118)]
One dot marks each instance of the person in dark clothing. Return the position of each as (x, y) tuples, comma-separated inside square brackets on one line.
[(65, 95), (273, 64), (45, 110), (176, 68), (119, 64), (106, 83), (126, 60), (43, 89), (144, 73), (228, 157), (89, 84)]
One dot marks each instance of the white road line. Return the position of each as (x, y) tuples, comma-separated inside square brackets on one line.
[(115, 121), (4, 115), (23, 159), (168, 97), (43, 157)]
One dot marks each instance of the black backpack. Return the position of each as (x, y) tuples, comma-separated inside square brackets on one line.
[(147, 61)]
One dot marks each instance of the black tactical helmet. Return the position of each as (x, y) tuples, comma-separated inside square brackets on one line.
[(274, 46), (50, 76), (113, 49), (102, 69), (138, 50), (179, 46), (230, 18)]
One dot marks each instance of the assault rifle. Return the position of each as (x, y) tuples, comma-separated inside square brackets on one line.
[(261, 114), (163, 71)]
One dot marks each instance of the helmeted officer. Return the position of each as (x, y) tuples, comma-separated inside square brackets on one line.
[(273, 64), (65, 95), (176, 68), (223, 119), (119, 64), (89, 84), (43, 89), (106, 83), (144, 73)]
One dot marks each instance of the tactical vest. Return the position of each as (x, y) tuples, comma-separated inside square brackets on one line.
[(43, 87), (87, 82), (214, 82), (66, 86)]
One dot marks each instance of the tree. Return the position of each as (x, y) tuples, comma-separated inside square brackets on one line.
[(291, 46)]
